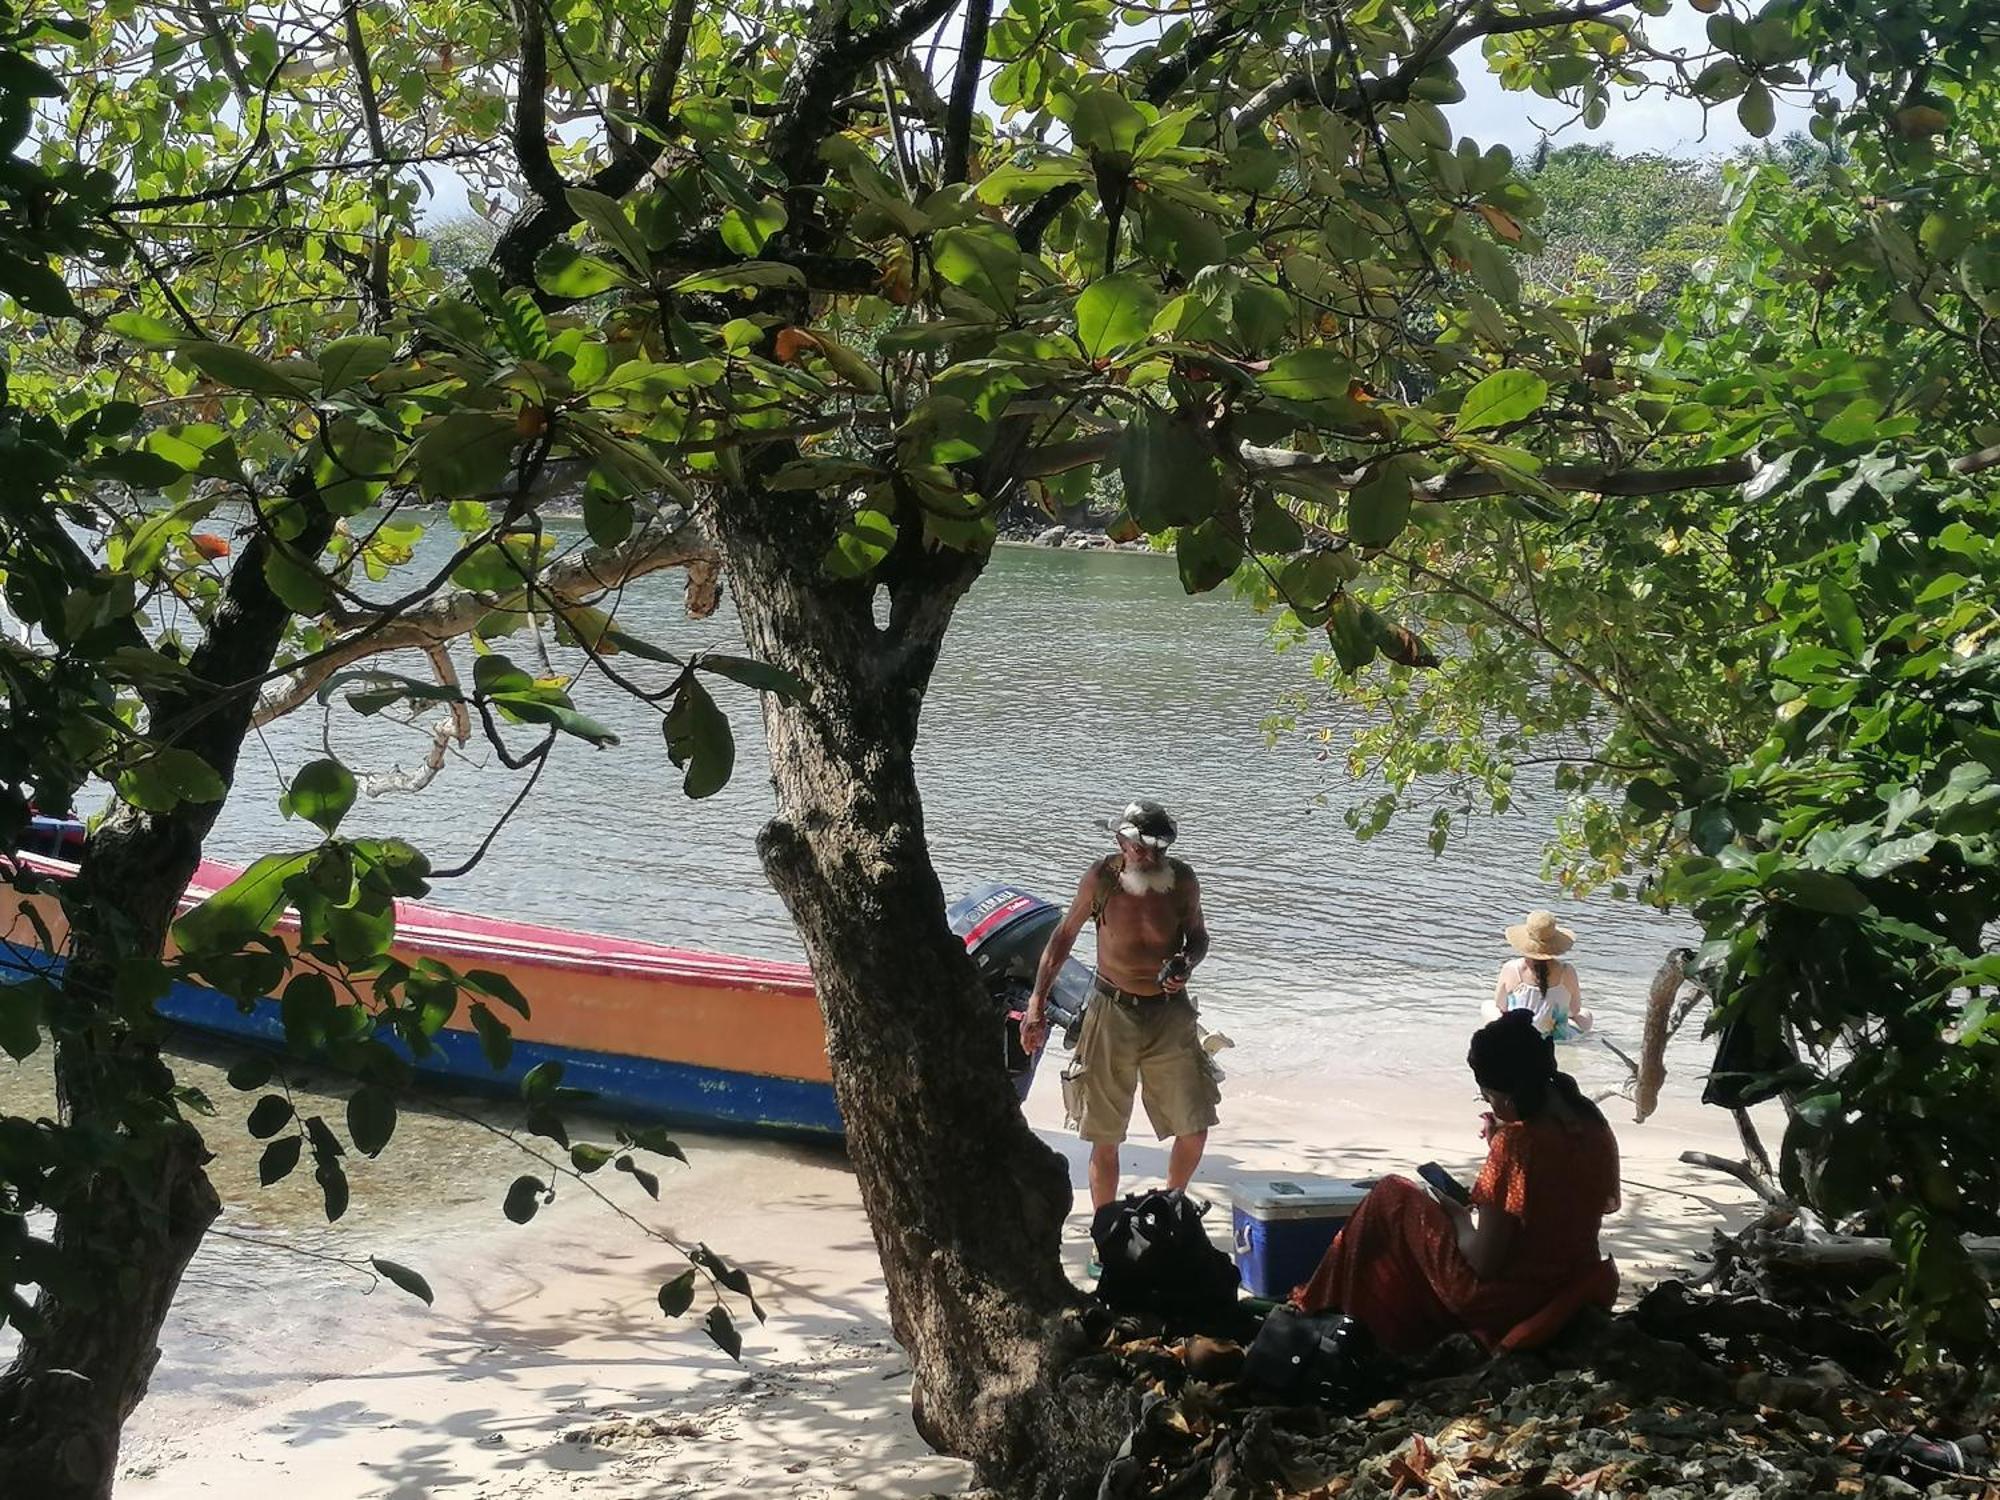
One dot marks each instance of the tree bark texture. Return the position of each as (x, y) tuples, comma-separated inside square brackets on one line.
[(966, 1204), (129, 1232)]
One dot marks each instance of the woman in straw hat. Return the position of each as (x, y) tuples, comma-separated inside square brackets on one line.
[(1539, 981)]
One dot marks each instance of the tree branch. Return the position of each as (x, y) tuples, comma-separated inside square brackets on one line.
[(965, 90), (279, 179), (377, 281), (453, 614), (548, 215), (1323, 85), (832, 59), (1313, 476), (1161, 85)]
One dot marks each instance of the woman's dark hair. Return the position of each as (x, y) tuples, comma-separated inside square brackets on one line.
[(1539, 967), (1512, 1056)]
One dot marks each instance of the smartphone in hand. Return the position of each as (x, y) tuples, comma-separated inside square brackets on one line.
[(1444, 1184)]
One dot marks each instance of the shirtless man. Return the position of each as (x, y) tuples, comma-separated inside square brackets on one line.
[(1138, 1032)]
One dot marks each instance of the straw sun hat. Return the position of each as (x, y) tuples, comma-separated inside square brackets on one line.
[(1540, 936)]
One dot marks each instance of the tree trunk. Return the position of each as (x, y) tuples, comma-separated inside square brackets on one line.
[(966, 1204), (125, 1235)]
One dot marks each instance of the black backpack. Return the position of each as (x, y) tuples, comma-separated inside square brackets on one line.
[(1158, 1261), (1299, 1357)]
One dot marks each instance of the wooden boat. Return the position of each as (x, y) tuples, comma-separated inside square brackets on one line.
[(655, 1032)]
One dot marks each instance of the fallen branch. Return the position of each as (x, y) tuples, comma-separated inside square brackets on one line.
[(1842, 1252), (1743, 1172)]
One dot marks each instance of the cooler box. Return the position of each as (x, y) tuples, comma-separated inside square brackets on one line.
[(1283, 1226)]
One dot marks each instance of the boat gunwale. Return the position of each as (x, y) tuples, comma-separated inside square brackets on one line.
[(630, 956)]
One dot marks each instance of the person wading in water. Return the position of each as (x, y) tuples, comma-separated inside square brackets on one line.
[(1139, 1031)]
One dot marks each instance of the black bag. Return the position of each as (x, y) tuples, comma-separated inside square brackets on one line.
[(1158, 1260), (1302, 1357)]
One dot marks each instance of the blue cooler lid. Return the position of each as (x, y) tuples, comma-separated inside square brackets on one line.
[(1270, 1198)]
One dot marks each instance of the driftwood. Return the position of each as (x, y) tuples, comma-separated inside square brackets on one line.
[(1847, 1252)]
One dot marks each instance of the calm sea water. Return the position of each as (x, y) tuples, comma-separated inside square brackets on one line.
[(1070, 683)]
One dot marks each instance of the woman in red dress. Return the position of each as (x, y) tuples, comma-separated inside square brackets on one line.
[(1413, 1269)]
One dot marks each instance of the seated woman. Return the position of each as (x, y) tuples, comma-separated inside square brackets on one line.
[(1413, 1269), (1539, 981)]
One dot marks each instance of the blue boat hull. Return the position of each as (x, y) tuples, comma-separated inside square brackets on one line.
[(626, 1087)]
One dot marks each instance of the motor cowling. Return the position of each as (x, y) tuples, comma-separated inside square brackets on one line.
[(1005, 930)]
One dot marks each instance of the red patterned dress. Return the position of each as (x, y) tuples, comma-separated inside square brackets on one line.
[(1396, 1266)]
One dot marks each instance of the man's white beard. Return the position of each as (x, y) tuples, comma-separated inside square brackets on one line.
[(1153, 882)]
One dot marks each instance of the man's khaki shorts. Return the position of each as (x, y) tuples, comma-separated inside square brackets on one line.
[(1149, 1047)]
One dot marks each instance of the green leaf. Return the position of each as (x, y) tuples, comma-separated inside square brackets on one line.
[(587, 1158), (1502, 397), (983, 259), (750, 277), (269, 1115), (239, 369), (562, 270), (251, 1071), (465, 455), (1208, 554), (752, 673), (1102, 119), (144, 328), (1896, 853), (1179, 236), (1015, 182), (524, 1199), (297, 585), (322, 793), (371, 1118), (821, 474), (1115, 314), (20, 1019), (608, 217), (1378, 509), (862, 544), (349, 361), (1854, 424), (1273, 529), (1308, 375), (1169, 473), (745, 230), (1822, 890), (1353, 629), (1836, 605), (496, 1041), (251, 903), (161, 781), (649, 1181), (402, 1277), (699, 739), (277, 1160), (723, 1331), (677, 1295), (499, 986)]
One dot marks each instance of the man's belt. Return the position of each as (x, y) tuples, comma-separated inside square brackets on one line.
[(1111, 991)]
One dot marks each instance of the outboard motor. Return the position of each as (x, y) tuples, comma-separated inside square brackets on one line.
[(1005, 930)]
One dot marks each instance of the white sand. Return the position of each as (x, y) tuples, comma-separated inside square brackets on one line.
[(546, 1331)]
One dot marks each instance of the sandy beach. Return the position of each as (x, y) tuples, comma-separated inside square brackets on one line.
[(546, 1370)]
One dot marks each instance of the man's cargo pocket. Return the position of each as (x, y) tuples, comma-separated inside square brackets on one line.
[(1072, 1093)]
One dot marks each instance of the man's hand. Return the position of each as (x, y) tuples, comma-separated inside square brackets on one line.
[(1034, 1028), (1173, 984)]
